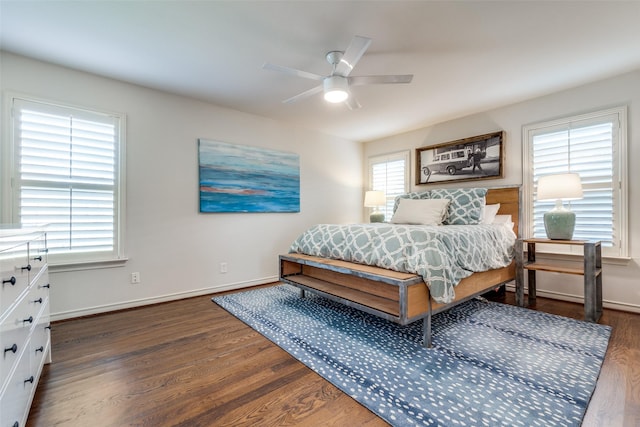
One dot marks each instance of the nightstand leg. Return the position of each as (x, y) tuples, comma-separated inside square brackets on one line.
[(592, 283), (519, 274), (599, 279), (531, 276)]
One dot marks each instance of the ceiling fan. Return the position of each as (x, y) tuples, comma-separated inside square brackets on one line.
[(336, 85)]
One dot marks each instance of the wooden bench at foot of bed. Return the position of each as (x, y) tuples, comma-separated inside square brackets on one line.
[(399, 297)]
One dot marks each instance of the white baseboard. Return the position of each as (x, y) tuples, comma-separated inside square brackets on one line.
[(614, 305), (154, 300)]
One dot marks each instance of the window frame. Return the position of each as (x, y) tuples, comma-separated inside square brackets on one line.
[(620, 171), (386, 158), (10, 187)]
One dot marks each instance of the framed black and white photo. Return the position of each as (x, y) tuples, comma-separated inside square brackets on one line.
[(474, 158)]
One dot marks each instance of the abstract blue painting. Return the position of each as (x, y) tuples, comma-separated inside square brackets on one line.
[(240, 178)]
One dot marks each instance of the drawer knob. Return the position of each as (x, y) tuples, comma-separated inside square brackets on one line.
[(29, 380), (27, 267), (46, 286), (41, 348), (38, 300), (13, 348), (48, 327), (37, 258), (12, 281), (29, 319), (16, 424)]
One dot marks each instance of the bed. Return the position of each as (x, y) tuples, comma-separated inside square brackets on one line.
[(400, 296)]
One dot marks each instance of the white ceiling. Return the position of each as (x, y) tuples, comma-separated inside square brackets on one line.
[(466, 56)]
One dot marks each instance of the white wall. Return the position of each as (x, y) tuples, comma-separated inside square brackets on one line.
[(176, 249), (621, 287)]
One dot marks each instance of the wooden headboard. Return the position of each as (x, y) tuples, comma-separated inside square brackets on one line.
[(509, 199)]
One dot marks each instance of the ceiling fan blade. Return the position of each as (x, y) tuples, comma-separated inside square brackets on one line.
[(352, 55), (292, 71), (305, 94), (352, 103), (376, 80)]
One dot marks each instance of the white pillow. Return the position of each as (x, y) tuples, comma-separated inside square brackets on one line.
[(489, 213), (420, 211), (507, 220)]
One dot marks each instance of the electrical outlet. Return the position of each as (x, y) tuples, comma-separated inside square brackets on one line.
[(223, 267), (135, 277)]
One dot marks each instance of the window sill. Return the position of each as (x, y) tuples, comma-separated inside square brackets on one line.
[(86, 265)]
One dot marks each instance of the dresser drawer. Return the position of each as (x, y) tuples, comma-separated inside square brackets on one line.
[(14, 272), (40, 341), (39, 291), (17, 395), (37, 256), (15, 330)]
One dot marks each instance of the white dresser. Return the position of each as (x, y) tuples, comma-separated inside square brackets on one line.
[(24, 321)]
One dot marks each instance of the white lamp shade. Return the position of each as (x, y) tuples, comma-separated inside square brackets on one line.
[(565, 186), (335, 89), (373, 199)]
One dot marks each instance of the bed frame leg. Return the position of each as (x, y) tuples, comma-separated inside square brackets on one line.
[(303, 294), (426, 326), (426, 331)]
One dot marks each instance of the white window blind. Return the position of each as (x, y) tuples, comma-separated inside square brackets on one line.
[(390, 174), (68, 178), (591, 146)]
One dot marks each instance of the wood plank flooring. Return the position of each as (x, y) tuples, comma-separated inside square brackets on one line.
[(190, 363)]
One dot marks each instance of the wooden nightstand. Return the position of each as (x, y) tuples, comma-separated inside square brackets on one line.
[(591, 270)]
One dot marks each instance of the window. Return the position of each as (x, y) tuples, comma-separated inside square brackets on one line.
[(67, 174), (389, 173), (594, 146)]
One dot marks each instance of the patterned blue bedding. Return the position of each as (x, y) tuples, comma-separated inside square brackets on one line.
[(442, 255)]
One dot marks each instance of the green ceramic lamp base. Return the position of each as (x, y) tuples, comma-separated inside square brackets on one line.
[(559, 224), (376, 217)]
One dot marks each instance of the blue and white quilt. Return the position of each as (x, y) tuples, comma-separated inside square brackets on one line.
[(442, 255)]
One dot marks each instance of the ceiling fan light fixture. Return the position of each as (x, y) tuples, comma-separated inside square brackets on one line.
[(335, 89), (335, 86)]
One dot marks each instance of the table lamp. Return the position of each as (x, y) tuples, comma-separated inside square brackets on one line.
[(559, 222), (375, 199)]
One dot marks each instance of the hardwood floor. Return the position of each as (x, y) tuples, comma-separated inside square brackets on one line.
[(191, 363)]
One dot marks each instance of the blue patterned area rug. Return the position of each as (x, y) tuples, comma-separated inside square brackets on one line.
[(491, 365)]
